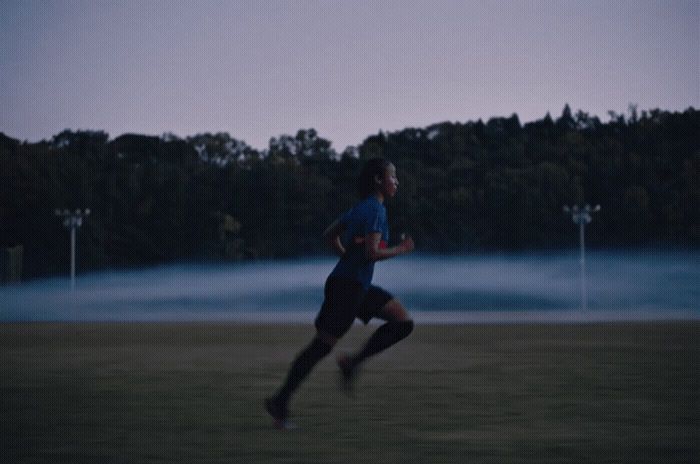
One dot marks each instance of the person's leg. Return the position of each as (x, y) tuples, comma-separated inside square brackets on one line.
[(398, 326), (333, 321), (320, 346)]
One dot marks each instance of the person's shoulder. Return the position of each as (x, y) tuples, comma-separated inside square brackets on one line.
[(372, 206), (378, 206)]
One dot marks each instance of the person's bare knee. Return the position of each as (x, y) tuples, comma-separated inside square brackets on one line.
[(394, 311)]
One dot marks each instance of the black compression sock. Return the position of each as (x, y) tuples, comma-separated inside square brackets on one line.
[(383, 338), (303, 364)]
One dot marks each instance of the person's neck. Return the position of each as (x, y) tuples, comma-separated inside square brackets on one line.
[(380, 197)]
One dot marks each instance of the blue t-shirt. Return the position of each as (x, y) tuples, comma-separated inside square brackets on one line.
[(367, 216)]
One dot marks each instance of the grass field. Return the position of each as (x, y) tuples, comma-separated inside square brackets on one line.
[(193, 392)]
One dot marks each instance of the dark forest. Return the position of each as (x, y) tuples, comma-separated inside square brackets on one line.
[(468, 187)]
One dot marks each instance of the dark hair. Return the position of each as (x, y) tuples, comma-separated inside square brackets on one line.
[(366, 185)]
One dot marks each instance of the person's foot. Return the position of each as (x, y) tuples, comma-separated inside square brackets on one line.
[(278, 412), (348, 373)]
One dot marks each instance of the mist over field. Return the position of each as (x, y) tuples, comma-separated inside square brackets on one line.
[(620, 285)]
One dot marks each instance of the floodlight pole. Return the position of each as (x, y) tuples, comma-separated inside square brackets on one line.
[(72, 220), (582, 216)]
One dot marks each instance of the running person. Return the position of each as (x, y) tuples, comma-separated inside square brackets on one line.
[(360, 238)]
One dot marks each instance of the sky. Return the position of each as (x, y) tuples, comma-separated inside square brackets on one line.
[(260, 69)]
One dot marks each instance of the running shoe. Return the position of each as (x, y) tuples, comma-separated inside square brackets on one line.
[(348, 373), (279, 414)]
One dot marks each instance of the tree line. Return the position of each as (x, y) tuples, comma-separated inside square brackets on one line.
[(466, 187)]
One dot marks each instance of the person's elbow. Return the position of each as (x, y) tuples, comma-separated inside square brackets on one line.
[(372, 254), (332, 242), (328, 236), (329, 239)]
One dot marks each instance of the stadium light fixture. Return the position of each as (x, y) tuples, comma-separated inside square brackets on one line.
[(582, 216), (72, 221)]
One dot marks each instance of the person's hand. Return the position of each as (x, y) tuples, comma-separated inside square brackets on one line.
[(407, 244)]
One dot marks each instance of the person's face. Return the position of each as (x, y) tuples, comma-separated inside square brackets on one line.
[(389, 183)]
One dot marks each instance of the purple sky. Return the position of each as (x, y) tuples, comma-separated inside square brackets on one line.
[(258, 69)]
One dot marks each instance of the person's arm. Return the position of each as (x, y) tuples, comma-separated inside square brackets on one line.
[(374, 253), (332, 236)]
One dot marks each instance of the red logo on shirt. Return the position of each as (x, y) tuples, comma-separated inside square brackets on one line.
[(360, 240)]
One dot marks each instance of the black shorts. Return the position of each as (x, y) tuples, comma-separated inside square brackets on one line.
[(346, 299)]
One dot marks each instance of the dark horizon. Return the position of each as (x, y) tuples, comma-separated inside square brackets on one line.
[(631, 114)]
